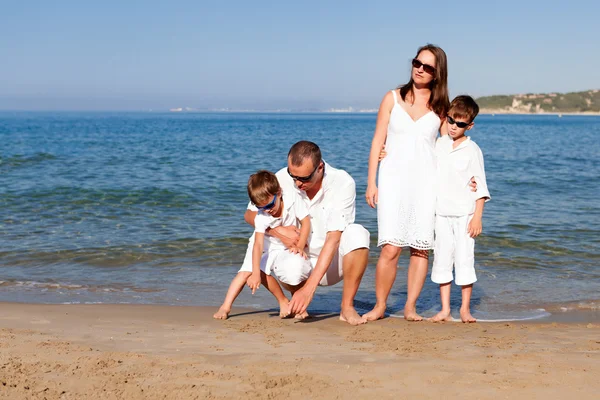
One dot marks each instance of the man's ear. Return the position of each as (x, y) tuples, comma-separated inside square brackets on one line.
[(470, 126)]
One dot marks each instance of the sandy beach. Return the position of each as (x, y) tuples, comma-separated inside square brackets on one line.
[(161, 352)]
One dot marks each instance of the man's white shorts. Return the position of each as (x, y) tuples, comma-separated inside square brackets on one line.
[(453, 246), (292, 269)]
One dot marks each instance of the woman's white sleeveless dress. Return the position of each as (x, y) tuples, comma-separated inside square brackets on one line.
[(406, 204)]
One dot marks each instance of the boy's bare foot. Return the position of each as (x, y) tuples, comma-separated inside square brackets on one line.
[(411, 315), (284, 309), (303, 315), (442, 316), (223, 313), (349, 315), (375, 314), (466, 317)]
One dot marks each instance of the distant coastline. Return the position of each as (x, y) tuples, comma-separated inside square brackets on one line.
[(572, 103)]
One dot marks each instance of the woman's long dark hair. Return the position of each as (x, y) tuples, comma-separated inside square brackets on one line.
[(438, 100)]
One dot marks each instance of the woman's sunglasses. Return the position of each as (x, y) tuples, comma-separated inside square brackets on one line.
[(426, 67), (451, 121), (304, 179), (268, 206)]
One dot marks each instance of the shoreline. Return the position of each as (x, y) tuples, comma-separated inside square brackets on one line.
[(151, 352)]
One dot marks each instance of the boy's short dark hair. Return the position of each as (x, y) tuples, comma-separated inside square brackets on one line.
[(463, 107), (261, 186), (303, 150)]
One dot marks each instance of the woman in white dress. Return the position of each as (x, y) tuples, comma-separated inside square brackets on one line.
[(408, 123)]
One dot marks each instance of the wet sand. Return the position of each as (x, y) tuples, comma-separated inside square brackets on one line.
[(160, 352)]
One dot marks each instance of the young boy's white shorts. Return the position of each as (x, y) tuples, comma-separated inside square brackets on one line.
[(292, 269), (453, 246)]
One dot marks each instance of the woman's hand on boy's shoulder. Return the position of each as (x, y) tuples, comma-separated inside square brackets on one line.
[(473, 184)]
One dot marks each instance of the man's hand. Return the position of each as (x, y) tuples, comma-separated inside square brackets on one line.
[(475, 227), (288, 235), (253, 282), (301, 299), (297, 250)]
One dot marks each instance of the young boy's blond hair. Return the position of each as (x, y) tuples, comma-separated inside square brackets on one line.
[(262, 186)]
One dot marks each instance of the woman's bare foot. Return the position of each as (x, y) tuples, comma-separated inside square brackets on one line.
[(378, 312), (303, 315), (466, 317), (349, 315), (223, 313), (442, 316), (284, 309), (411, 315)]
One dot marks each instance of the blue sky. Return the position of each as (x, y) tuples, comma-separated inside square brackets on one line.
[(139, 55)]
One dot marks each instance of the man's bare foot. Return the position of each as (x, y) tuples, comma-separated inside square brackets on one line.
[(303, 315), (284, 309), (349, 315), (442, 316), (223, 313), (411, 315), (466, 317), (375, 314)]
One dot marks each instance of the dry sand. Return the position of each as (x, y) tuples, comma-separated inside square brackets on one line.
[(156, 352)]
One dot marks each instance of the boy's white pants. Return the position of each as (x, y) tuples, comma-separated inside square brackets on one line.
[(292, 269), (453, 246)]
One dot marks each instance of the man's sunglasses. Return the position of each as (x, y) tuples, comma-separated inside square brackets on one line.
[(451, 121), (268, 206), (426, 67), (304, 179)]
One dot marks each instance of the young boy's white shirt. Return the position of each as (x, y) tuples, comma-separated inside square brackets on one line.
[(294, 210), (455, 206), (455, 167)]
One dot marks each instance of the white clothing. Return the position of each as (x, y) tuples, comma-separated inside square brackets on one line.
[(296, 271), (406, 206), (332, 209), (453, 245), (455, 167), (294, 210), (275, 257)]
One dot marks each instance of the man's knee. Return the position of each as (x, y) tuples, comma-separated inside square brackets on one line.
[(354, 237), (293, 271)]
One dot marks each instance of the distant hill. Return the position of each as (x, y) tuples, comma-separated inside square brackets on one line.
[(574, 102)]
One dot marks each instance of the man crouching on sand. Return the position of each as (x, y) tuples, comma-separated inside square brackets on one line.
[(337, 248)]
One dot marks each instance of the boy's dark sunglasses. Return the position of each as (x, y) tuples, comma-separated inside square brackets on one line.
[(304, 179), (426, 67), (451, 121), (268, 206)]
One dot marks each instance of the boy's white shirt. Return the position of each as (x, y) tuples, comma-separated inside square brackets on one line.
[(455, 167), (294, 210)]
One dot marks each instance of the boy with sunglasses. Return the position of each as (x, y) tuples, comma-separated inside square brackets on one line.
[(275, 208), (458, 209)]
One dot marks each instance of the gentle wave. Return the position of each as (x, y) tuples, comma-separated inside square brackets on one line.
[(22, 160), (203, 251), (58, 286), (77, 196)]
